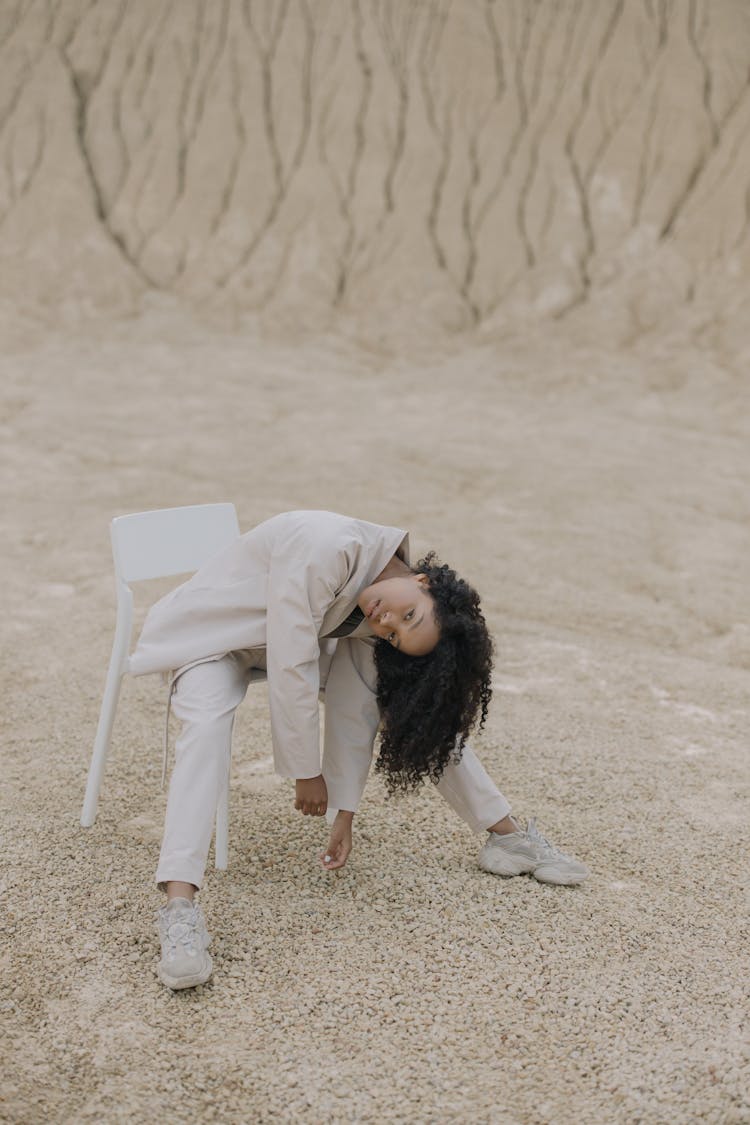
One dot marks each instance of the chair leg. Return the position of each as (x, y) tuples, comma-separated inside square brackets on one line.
[(101, 745), (115, 672), (221, 840)]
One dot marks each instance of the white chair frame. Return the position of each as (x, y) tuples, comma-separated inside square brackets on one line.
[(155, 544)]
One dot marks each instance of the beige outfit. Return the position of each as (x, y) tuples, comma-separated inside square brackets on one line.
[(282, 586), (267, 604)]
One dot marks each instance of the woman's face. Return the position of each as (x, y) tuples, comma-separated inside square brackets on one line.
[(402, 612)]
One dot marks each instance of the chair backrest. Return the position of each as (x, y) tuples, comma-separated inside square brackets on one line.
[(170, 540)]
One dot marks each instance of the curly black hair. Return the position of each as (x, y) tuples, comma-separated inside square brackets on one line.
[(428, 704)]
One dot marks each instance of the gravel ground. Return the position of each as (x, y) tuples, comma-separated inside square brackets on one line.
[(599, 502)]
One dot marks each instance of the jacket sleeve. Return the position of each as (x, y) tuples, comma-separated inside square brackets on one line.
[(299, 593), (351, 722)]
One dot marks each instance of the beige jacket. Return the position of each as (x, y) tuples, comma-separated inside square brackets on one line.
[(284, 586)]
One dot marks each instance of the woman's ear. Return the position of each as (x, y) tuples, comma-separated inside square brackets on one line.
[(422, 579)]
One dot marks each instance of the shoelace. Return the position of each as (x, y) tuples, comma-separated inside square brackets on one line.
[(182, 927), (537, 838)]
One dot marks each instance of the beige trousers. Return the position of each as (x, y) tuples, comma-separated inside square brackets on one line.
[(205, 699)]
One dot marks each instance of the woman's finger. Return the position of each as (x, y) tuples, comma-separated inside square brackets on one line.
[(335, 856), (331, 864)]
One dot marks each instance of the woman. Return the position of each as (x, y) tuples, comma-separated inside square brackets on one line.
[(319, 601)]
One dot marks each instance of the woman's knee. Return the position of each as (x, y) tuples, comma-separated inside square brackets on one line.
[(210, 693)]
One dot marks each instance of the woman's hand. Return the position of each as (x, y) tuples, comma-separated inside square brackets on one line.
[(311, 795), (339, 842)]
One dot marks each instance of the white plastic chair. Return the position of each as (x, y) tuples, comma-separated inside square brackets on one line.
[(156, 545)]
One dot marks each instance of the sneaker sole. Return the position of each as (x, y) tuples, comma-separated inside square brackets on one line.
[(176, 983), (557, 879), (509, 871)]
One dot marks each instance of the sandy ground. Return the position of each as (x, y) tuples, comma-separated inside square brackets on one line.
[(598, 499)]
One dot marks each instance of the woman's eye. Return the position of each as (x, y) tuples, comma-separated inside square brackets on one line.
[(409, 615)]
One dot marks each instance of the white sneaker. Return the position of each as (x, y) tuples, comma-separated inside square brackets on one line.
[(527, 852), (184, 940)]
